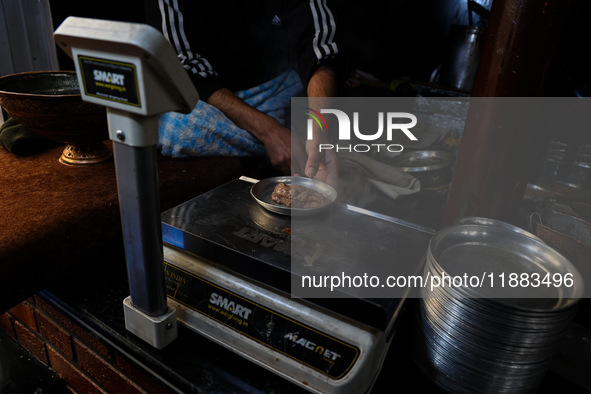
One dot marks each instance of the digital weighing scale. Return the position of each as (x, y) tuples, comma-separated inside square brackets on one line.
[(227, 263), (220, 263)]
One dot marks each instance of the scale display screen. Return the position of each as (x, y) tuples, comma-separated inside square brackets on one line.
[(110, 80)]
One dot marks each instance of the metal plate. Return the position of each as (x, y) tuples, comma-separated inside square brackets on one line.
[(424, 160), (263, 189), (471, 337), (482, 221), (476, 249)]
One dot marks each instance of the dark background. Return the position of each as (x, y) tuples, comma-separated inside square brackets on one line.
[(393, 38)]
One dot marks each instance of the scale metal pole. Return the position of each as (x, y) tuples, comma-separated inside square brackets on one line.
[(146, 312), (132, 70)]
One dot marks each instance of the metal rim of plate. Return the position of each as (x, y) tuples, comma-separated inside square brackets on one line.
[(479, 220), (423, 160), (490, 245), (464, 340), (262, 190)]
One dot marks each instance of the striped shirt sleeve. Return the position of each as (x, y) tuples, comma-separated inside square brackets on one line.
[(323, 42), (173, 27), (315, 27)]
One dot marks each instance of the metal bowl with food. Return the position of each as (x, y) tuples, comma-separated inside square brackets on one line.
[(320, 195), (49, 103)]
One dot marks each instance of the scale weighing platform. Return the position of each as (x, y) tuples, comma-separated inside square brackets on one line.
[(220, 263), (227, 265)]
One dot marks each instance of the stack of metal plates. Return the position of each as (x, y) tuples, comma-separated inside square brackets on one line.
[(497, 313)]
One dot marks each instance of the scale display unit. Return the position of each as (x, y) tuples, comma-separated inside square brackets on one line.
[(220, 263)]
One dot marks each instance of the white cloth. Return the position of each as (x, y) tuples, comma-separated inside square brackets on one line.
[(384, 178)]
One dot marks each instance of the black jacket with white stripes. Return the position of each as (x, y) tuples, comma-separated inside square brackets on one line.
[(238, 44)]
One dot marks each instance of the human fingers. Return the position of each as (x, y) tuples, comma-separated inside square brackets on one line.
[(312, 164)]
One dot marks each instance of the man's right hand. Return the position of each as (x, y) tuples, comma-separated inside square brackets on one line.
[(286, 153), (276, 138)]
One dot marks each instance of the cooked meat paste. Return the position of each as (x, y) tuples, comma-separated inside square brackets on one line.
[(297, 196)]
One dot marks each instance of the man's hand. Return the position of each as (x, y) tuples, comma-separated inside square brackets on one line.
[(321, 165), (285, 152), (275, 137)]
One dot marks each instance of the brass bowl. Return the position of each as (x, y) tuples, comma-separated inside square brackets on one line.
[(49, 103)]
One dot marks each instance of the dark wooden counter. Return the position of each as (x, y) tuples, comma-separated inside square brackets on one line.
[(58, 222)]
